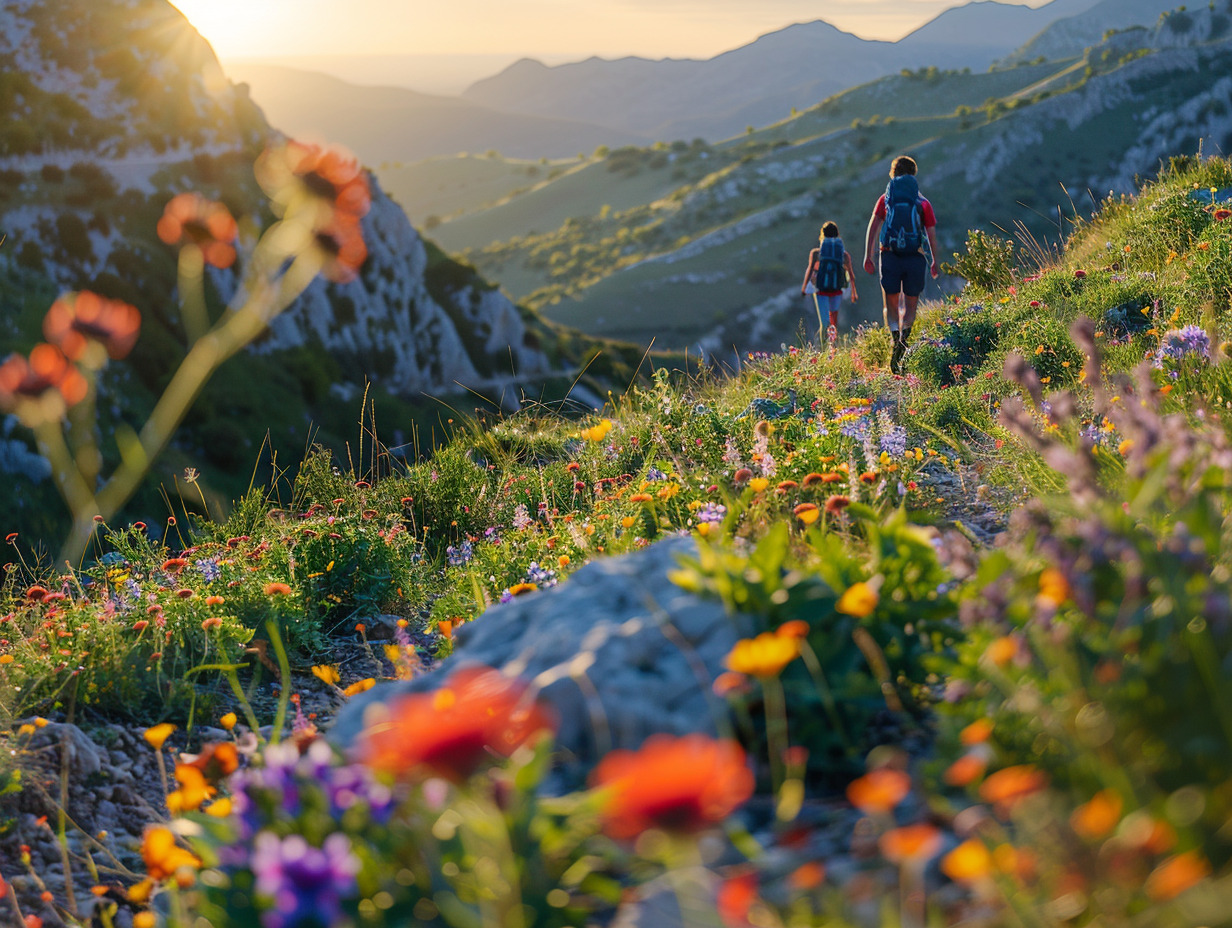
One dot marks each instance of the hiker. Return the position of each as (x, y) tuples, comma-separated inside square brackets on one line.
[(829, 269), (901, 221)]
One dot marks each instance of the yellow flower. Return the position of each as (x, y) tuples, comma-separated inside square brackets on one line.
[(219, 808), (763, 656), (6, 658), (703, 529), (758, 484), (859, 600), (228, 721), (628, 521), (146, 919), (968, 863), (327, 674), (808, 513), (668, 491), (1123, 447), (158, 734), (360, 686), (597, 433)]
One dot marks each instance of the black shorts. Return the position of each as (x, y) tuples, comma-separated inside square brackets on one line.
[(903, 272)]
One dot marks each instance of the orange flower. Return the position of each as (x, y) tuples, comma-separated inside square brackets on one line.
[(342, 248), (228, 721), (735, 898), (212, 622), (277, 589), (78, 320), (214, 600), (675, 784), (1053, 587), (1177, 874), (519, 588), (832, 478), (42, 388), (869, 477), (786, 486), (966, 770), (162, 856), (1097, 817), (811, 480), (794, 628), (859, 600), (977, 732), (764, 656), (641, 498), (190, 217), (728, 682), (807, 876), (1002, 650), (444, 628), (910, 844), (298, 175), (879, 791), (837, 503), (453, 730), (1006, 788), (970, 862), (193, 791)]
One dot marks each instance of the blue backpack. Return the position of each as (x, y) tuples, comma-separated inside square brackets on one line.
[(830, 276), (903, 230)]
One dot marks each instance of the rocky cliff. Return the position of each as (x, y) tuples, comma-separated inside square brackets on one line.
[(109, 107)]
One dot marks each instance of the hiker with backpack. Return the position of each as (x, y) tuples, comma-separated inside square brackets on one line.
[(829, 271), (902, 222)]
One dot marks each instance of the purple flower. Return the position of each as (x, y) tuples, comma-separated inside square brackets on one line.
[(1177, 344), (711, 512), (208, 568), (456, 557), (305, 884)]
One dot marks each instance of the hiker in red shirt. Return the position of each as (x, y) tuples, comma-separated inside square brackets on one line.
[(901, 222)]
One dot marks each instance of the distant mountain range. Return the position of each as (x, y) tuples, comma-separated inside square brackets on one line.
[(533, 110), (397, 124), (760, 82)]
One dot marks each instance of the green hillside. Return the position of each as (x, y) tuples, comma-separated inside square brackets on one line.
[(687, 243), (1027, 713)]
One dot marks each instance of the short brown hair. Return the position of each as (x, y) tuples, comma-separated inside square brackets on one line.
[(903, 164), (829, 230)]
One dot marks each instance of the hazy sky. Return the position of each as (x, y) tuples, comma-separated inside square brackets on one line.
[(555, 28)]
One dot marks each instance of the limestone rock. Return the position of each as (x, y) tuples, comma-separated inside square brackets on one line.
[(618, 650)]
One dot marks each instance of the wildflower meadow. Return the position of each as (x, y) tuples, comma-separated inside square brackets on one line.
[(986, 680)]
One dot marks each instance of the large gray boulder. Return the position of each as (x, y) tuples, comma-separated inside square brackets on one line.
[(618, 650)]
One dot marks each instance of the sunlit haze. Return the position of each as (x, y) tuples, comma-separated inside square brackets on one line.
[(545, 28)]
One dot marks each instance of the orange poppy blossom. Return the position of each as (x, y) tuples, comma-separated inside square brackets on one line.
[(1098, 816), (966, 770), (793, 628), (681, 785), (812, 480), (1177, 874), (735, 898), (1008, 787), (977, 732), (42, 388), (879, 791), (910, 844), (764, 656), (77, 321), (205, 223), (478, 714), (341, 247), (163, 857)]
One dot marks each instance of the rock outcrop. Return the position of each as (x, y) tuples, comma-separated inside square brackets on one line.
[(620, 653)]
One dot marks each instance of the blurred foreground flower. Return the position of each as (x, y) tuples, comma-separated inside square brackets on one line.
[(478, 714), (680, 785)]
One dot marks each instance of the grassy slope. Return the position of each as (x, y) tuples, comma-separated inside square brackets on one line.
[(448, 187)]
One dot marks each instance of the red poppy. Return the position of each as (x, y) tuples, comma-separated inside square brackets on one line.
[(190, 217), (479, 713), (341, 244), (676, 784), (77, 320), (42, 387)]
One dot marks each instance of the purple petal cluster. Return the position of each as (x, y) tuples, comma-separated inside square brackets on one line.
[(306, 884)]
